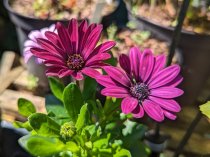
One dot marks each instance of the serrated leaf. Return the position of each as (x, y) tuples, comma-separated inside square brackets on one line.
[(205, 109), (83, 117), (89, 90), (25, 107), (41, 146), (44, 125), (56, 87), (73, 101)]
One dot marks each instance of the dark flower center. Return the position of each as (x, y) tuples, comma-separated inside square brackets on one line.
[(75, 62), (140, 91)]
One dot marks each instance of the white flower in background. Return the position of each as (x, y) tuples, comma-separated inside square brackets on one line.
[(32, 42)]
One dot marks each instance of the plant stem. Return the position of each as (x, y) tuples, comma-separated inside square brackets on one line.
[(177, 31), (77, 83), (188, 134)]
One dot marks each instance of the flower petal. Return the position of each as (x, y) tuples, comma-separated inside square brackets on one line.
[(135, 57), (138, 112), (77, 75), (105, 81), (90, 72), (92, 41), (53, 71), (73, 34), (146, 65), (97, 58), (118, 75), (166, 92), (164, 76), (160, 62), (168, 104), (153, 110), (65, 72), (64, 38), (128, 104), (117, 92), (169, 115), (176, 81), (82, 29), (102, 48), (125, 63)]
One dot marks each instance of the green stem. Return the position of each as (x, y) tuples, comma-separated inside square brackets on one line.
[(77, 83)]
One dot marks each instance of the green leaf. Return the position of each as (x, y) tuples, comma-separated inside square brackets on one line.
[(41, 146), (102, 142), (83, 117), (25, 107), (56, 87), (205, 109), (44, 125), (122, 153), (89, 90), (73, 101), (72, 147), (25, 125)]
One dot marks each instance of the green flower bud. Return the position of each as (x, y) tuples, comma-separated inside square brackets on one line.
[(68, 130)]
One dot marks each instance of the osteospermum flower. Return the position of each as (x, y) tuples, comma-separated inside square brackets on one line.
[(144, 84), (72, 51), (32, 42)]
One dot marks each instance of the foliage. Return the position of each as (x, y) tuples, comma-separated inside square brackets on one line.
[(76, 124), (205, 109)]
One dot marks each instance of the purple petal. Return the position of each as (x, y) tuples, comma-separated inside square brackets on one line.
[(118, 75), (146, 65), (91, 72), (64, 38), (73, 34), (82, 29), (135, 57), (43, 54), (153, 110), (54, 38), (175, 82), (117, 92), (138, 112), (102, 48), (92, 41), (128, 104), (49, 46), (77, 75), (166, 92), (168, 104), (97, 58), (53, 71), (164, 76), (169, 115), (160, 62), (125, 63), (65, 72), (105, 81)]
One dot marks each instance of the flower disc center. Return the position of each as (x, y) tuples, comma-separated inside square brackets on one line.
[(75, 62), (140, 91)]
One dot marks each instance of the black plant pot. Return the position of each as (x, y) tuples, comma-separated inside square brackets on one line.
[(195, 49), (9, 146)]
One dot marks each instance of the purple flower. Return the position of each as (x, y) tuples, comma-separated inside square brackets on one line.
[(73, 51), (144, 84), (32, 42)]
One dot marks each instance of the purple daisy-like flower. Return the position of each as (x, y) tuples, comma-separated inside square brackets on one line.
[(32, 42), (73, 51), (144, 84)]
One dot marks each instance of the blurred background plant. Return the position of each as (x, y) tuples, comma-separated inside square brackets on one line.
[(165, 13)]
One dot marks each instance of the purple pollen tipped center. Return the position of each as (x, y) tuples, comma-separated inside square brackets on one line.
[(75, 62), (140, 91)]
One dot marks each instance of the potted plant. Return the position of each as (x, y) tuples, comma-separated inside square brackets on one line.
[(33, 15), (76, 123), (160, 17)]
